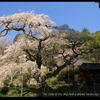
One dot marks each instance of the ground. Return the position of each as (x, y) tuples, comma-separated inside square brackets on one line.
[(57, 87)]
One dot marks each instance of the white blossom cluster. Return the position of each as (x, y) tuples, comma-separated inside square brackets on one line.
[(29, 22), (15, 50), (13, 53), (14, 58), (12, 69)]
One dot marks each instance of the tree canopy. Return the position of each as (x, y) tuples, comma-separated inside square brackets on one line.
[(40, 44)]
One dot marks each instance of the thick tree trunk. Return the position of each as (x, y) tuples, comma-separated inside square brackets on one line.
[(38, 57), (44, 88)]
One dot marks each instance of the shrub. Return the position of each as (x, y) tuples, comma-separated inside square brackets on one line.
[(67, 75), (6, 82), (4, 90), (11, 92)]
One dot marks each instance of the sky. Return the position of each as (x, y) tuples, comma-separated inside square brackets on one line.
[(76, 15)]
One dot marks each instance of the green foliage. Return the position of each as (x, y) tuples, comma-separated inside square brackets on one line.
[(62, 75), (13, 93), (94, 45), (4, 90), (66, 75), (7, 81), (85, 31), (63, 28), (31, 95), (52, 80)]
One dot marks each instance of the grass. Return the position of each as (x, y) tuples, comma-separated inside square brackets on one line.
[(54, 83), (31, 91), (34, 91)]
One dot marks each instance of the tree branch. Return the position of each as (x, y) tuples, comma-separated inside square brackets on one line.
[(67, 63)]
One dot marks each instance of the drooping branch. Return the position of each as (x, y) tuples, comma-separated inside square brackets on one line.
[(70, 62)]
